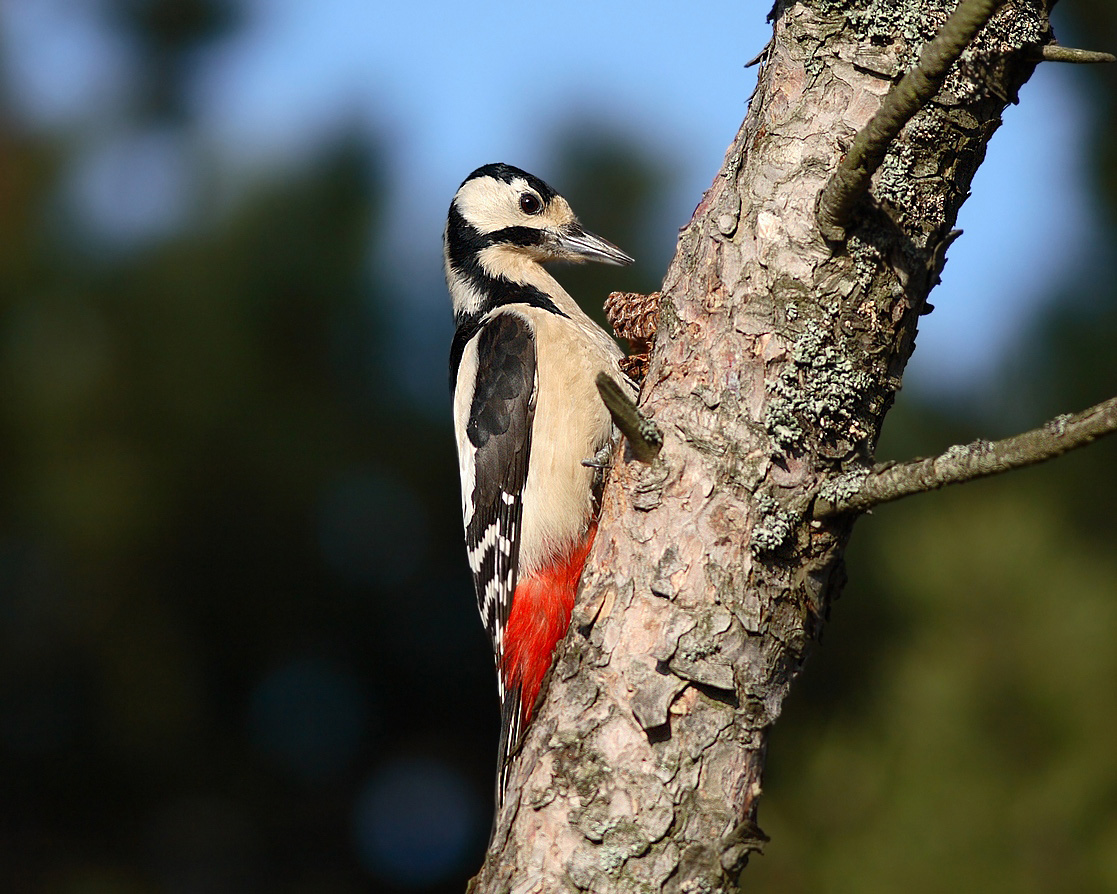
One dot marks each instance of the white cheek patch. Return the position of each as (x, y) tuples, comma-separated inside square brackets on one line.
[(488, 204)]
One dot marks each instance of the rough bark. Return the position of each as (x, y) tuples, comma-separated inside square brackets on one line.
[(777, 356)]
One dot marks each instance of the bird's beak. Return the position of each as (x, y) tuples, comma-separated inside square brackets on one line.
[(575, 244)]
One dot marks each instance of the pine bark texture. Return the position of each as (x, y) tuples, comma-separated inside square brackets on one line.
[(777, 356)]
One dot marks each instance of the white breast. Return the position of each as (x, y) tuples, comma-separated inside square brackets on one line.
[(571, 425)]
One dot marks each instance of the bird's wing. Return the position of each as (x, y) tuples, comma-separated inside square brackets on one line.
[(498, 432)]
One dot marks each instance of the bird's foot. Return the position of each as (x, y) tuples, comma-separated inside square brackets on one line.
[(602, 460)]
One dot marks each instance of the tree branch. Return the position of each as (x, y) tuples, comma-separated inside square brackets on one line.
[(857, 492), (1052, 52), (643, 436), (851, 179)]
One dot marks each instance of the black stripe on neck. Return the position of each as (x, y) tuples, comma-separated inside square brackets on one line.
[(521, 236), (464, 244)]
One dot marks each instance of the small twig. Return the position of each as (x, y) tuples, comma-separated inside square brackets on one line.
[(643, 435), (1052, 52), (857, 492), (851, 180), (755, 60)]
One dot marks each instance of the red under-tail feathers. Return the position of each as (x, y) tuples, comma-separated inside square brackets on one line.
[(541, 608)]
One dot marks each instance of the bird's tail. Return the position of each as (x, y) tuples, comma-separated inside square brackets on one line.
[(540, 616)]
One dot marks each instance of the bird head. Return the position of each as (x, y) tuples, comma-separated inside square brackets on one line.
[(503, 216)]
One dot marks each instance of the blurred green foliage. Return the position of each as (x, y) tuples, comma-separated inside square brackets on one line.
[(233, 595)]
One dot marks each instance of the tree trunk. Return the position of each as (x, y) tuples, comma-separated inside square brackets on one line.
[(777, 356)]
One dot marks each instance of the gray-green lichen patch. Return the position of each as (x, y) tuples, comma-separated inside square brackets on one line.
[(900, 185), (843, 487), (866, 259), (885, 21), (780, 419), (908, 27), (774, 525), (821, 391), (979, 69)]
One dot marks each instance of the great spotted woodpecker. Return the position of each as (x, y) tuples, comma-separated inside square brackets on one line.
[(526, 416)]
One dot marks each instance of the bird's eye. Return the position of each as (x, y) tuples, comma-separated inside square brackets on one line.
[(530, 204)]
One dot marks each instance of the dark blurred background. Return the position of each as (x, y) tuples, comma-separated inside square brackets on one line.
[(238, 642)]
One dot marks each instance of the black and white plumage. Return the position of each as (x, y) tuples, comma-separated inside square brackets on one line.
[(527, 413), (498, 430)]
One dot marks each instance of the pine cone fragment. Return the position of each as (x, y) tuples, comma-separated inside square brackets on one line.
[(634, 317)]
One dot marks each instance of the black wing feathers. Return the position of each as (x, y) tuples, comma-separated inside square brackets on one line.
[(505, 384), (499, 428)]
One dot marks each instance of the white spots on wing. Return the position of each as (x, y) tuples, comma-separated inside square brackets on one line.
[(490, 614), (476, 555)]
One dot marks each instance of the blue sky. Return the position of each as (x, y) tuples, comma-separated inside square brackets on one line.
[(456, 85)]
